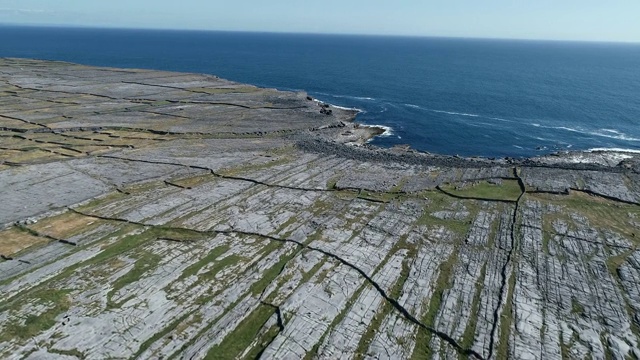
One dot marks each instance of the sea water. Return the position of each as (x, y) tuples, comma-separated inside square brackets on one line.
[(469, 97)]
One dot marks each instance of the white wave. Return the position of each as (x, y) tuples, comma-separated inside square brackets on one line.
[(347, 108), (499, 119), (620, 136), (606, 133), (611, 131), (565, 128), (622, 150), (348, 96), (455, 113), (518, 146), (414, 106), (338, 106), (388, 130)]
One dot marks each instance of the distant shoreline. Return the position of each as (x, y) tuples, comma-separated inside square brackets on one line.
[(449, 96), (351, 132)]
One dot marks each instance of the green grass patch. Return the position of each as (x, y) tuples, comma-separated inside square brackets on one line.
[(232, 90), (242, 336), (470, 330), (508, 190), (211, 273), (506, 319), (422, 349), (459, 227), (601, 212), (146, 261), (441, 202), (207, 259), (576, 307), (194, 181), (157, 336), (272, 162), (332, 183), (395, 292), (270, 275), (379, 196), (614, 262), (75, 353), (443, 283), (58, 302), (264, 340), (337, 320)]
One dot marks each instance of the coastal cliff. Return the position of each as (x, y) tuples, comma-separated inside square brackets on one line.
[(150, 214)]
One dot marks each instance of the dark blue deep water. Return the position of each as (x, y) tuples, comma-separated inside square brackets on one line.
[(450, 96)]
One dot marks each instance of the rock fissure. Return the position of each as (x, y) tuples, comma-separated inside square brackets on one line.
[(503, 272)]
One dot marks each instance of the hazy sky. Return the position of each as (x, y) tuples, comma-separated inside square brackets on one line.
[(600, 20)]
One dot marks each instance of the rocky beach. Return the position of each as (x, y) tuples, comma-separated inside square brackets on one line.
[(151, 214)]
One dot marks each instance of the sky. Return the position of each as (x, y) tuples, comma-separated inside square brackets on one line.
[(584, 20)]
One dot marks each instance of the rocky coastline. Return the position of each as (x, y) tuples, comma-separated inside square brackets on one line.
[(151, 214)]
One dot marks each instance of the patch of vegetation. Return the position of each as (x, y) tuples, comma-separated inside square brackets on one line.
[(314, 270), (34, 156), (470, 330), (75, 353), (290, 221), (67, 225), (145, 262), (265, 338), (614, 262), (159, 335), (509, 190), (57, 301), (19, 239), (243, 335), (253, 167), (231, 90), (332, 183), (443, 283), (395, 292), (422, 349), (384, 197), (459, 227), (372, 329), (270, 275), (337, 320), (220, 265), (601, 212), (576, 307), (207, 259), (101, 201), (502, 349), (194, 181)]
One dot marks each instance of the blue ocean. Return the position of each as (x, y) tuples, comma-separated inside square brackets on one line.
[(469, 97)]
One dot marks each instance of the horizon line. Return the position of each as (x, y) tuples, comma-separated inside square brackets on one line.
[(108, 27)]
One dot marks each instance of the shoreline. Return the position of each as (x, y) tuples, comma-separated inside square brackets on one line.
[(369, 132), (378, 130), (360, 135)]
